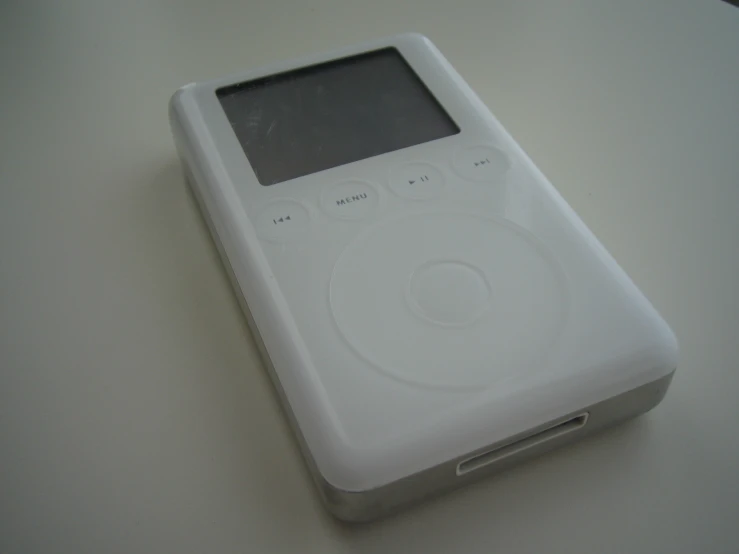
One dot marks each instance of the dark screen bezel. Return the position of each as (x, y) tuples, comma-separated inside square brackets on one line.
[(291, 74)]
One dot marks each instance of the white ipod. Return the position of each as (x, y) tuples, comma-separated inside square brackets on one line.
[(431, 310)]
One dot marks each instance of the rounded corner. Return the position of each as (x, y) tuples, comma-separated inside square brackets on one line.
[(413, 40), (666, 350), (417, 37), (341, 467), (179, 94)]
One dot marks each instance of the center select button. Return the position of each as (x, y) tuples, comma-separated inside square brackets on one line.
[(350, 200), (449, 293)]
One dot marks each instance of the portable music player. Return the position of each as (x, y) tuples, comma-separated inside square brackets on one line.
[(429, 307)]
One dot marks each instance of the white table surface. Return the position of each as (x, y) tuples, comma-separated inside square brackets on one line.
[(135, 415)]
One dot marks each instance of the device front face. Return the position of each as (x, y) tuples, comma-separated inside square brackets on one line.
[(436, 279)]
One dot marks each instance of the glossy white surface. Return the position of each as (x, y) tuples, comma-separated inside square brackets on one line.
[(135, 416), (341, 308)]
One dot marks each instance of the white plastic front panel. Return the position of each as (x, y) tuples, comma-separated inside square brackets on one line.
[(411, 324)]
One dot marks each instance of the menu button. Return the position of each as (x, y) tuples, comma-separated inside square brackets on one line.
[(350, 200)]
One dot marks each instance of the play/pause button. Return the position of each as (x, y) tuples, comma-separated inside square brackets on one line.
[(417, 181), (421, 179)]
